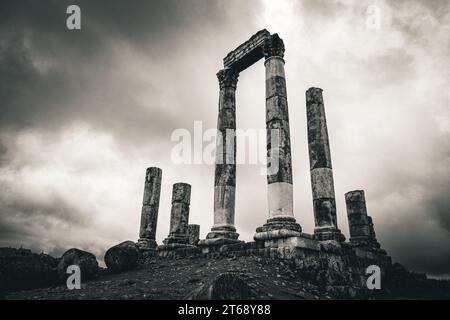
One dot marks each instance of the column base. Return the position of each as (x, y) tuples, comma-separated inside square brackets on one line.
[(176, 239), (328, 233), (278, 227), (223, 232), (146, 244), (280, 223)]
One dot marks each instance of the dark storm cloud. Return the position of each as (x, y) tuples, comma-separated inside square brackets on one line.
[(124, 74), (51, 76), (50, 97)]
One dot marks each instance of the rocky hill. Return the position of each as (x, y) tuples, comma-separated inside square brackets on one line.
[(223, 276)]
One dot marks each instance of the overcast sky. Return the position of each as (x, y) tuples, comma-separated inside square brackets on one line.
[(84, 113)]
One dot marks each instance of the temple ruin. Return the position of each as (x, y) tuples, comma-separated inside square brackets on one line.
[(281, 236)]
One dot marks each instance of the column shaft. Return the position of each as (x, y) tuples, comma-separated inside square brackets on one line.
[(279, 162), (225, 171), (320, 167), (179, 216), (150, 207), (361, 228)]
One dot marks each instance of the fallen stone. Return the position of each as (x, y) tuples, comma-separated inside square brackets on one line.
[(122, 257), (85, 260)]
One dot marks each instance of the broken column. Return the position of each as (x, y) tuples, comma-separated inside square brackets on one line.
[(362, 232), (279, 163), (150, 206), (225, 172), (321, 170), (179, 215), (193, 234)]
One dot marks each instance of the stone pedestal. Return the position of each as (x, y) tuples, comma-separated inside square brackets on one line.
[(279, 163), (321, 170), (150, 207)]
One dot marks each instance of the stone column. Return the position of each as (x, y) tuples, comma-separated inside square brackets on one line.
[(150, 207), (179, 216), (321, 170), (193, 234), (279, 163), (225, 172), (360, 224)]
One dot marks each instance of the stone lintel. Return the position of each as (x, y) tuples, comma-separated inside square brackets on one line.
[(247, 53)]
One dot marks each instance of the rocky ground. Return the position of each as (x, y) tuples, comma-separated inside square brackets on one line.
[(225, 276), (185, 278)]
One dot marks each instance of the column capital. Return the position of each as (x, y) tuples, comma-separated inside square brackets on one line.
[(273, 47), (228, 78)]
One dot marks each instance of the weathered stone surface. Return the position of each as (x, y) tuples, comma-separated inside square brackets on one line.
[(224, 197), (152, 186), (225, 169), (149, 220), (193, 234), (362, 232), (318, 144), (228, 78), (276, 86), (122, 257), (280, 200), (225, 175), (278, 152), (150, 208), (325, 212), (226, 147), (247, 53), (21, 269), (179, 216), (85, 260), (273, 47), (322, 183), (181, 193), (276, 108)]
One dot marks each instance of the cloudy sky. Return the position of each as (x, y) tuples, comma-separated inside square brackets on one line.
[(84, 113)]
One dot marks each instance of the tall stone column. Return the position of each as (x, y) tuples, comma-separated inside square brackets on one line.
[(225, 172), (279, 163), (179, 216), (362, 232), (321, 170), (150, 207)]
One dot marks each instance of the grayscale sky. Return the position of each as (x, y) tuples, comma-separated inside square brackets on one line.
[(83, 113)]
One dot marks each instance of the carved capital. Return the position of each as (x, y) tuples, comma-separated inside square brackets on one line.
[(228, 78), (273, 47)]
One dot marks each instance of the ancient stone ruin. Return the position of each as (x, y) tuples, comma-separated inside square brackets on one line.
[(281, 236)]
